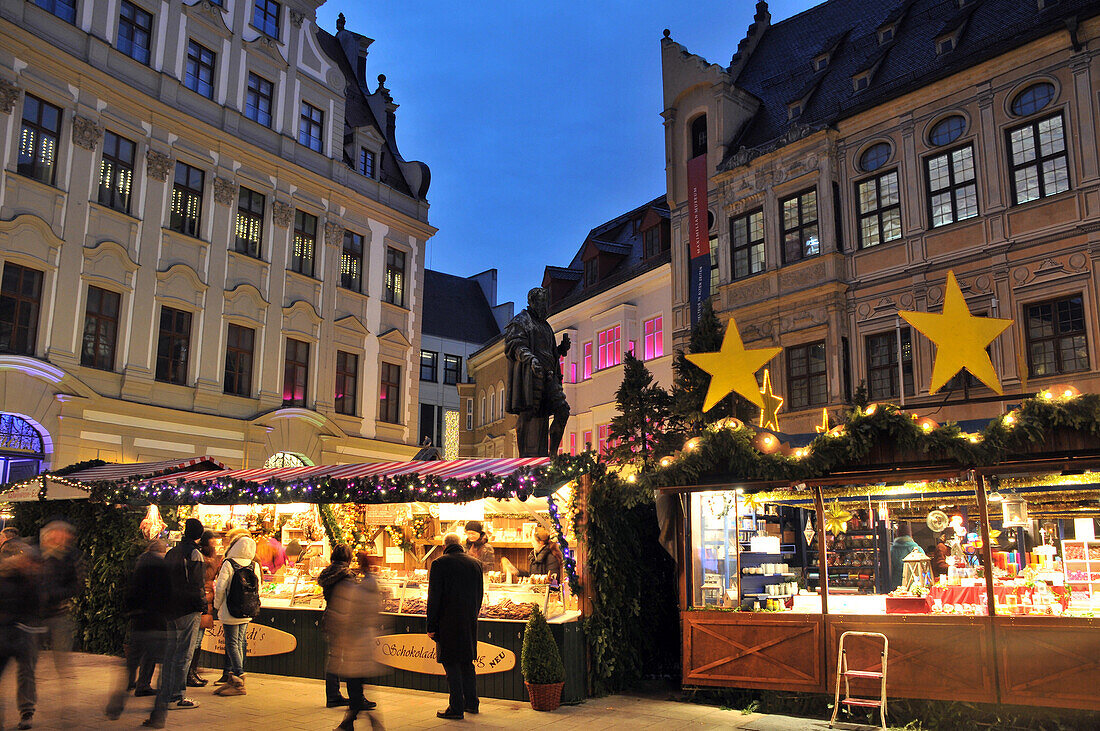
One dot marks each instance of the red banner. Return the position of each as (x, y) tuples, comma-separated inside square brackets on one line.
[(697, 207)]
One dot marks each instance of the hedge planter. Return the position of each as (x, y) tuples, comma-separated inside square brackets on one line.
[(543, 671), (544, 696)]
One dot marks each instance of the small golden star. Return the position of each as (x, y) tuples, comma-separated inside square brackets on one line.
[(769, 409), (733, 368), (824, 422)]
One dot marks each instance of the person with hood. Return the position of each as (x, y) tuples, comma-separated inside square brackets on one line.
[(477, 546), (338, 571), (351, 623), (902, 546), (187, 573), (61, 579), (146, 605), (19, 606), (239, 557), (455, 589)]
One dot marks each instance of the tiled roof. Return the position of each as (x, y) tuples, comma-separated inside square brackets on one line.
[(456, 308), (780, 68)]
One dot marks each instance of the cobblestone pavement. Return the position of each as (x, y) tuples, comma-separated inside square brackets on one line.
[(276, 703)]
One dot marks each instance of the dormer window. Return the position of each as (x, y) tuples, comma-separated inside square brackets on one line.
[(945, 45), (590, 271), (886, 34), (861, 81), (821, 62), (794, 110)]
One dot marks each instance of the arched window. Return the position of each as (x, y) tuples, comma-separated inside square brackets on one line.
[(21, 449), (874, 156), (287, 459), (947, 130), (1032, 99), (699, 136), (492, 405), (500, 400), (481, 420)]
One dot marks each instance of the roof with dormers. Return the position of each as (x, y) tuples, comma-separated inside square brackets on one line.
[(456, 308)]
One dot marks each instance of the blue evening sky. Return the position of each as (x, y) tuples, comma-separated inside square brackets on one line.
[(539, 120)]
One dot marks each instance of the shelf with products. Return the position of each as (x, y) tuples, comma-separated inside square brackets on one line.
[(1081, 566), (858, 559)]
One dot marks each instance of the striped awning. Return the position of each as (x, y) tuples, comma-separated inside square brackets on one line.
[(131, 470)]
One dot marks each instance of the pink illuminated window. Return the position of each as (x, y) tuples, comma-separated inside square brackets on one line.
[(654, 339), (572, 372), (573, 444), (588, 440), (587, 360), (602, 435), (610, 348)]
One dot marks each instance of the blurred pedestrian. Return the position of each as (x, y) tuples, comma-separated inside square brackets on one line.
[(455, 588), (206, 620), (237, 599), (270, 553), (338, 570), (187, 572), (26, 694), (147, 603), (19, 607), (61, 579), (351, 623)]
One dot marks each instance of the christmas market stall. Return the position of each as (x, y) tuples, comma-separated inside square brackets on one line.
[(396, 513)]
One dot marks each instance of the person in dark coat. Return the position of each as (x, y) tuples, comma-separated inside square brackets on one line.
[(146, 605), (206, 619), (338, 571), (455, 589), (61, 579), (941, 553), (11, 544), (19, 605), (477, 546), (546, 557)]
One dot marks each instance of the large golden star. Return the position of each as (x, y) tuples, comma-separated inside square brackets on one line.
[(960, 338), (769, 411), (733, 368)]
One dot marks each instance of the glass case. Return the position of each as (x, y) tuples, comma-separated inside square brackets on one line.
[(409, 595)]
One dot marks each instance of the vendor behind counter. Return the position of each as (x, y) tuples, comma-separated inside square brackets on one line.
[(477, 546)]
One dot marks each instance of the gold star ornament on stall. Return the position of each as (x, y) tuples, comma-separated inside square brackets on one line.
[(960, 338), (769, 411), (836, 519), (733, 368)]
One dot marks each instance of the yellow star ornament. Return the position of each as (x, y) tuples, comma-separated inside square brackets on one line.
[(769, 412), (733, 368), (960, 338), (836, 519)]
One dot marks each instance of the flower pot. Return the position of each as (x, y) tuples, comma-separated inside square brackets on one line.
[(544, 696)]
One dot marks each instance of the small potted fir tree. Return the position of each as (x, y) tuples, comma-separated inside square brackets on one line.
[(543, 671)]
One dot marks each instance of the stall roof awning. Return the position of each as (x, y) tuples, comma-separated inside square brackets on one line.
[(71, 486)]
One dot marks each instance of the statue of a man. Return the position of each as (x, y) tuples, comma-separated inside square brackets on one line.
[(534, 389)]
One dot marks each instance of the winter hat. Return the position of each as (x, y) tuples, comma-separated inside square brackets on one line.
[(192, 529), (475, 526)]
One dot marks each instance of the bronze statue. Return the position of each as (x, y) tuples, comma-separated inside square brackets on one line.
[(534, 378)]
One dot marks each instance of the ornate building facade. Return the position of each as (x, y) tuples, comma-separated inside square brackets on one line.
[(210, 242)]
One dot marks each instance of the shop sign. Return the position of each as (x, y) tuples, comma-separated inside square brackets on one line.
[(380, 513), (416, 652), (260, 640)]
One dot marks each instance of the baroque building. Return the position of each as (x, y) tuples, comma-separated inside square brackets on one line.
[(851, 155), (210, 242)]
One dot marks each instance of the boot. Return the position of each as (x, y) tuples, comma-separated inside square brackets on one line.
[(235, 686), (348, 724), (194, 680)]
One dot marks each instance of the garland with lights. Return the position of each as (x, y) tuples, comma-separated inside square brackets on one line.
[(397, 537), (566, 551)]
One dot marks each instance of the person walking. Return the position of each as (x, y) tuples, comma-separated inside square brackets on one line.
[(338, 571), (12, 544), (186, 571), (228, 540), (146, 605), (237, 599), (206, 619), (61, 579), (351, 622), (19, 607), (455, 589)]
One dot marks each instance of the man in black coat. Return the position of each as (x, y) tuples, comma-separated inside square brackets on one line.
[(455, 590)]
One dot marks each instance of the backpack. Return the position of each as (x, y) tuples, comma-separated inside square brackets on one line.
[(244, 591)]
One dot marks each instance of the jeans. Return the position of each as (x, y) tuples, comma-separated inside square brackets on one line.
[(59, 630), (460, 679), (236, 645), (145, 650), (15, 644), (26, 692), (179, 644)]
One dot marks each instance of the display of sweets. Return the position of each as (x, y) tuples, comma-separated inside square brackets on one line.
[(507, 609)]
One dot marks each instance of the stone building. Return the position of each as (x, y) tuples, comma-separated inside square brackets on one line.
[(614, 297), (210, 242), (856, 152)]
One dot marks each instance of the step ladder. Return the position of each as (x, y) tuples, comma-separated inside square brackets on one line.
[(844, 674)]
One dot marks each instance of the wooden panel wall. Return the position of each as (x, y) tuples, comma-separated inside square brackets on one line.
[(1049, 661)]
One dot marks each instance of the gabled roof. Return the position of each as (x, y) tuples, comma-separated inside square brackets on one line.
[(456, 308), (779, 69)]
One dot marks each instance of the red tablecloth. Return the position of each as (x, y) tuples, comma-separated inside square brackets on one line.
[(974, 594)]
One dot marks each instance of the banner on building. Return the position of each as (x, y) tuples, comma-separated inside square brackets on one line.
[(698, 236)]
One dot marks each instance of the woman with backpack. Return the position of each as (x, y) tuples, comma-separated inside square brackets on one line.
[(237, 600)]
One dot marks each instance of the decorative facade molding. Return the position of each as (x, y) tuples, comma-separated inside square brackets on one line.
[(225, 191), (282, 214), (334, 234), (296, 18), (86, 133), (9, 94), (158, 165)]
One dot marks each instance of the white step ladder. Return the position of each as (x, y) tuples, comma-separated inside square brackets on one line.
[(843, 673)]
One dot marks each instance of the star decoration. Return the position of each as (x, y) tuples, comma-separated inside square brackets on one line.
[(769, 410), (733, 368), (754, 503), (836, 519), (960, 338), (824, 428)]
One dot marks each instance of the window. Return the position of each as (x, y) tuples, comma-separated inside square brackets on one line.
[(452, 369), (874, 157), (602, 435), (713, 243), (305, 241), (587, 439), (295, 373), (310, 124), (945, 45), (481, 420), (427, 434), (879, 209), (861, 81), (747, 244), (1032, 99), (651, 241), (952, 186), (173, 345), (886, 34), (395, 277), (351, 262), (469, 414), (116, 172), (20, 300), (591, 271), (257, 105), (265, 17), (366, 162), (794, 110), (654, 339), (573, 443), (250, 222), (187, 200), (572, 372), (821, 62), (239, 345), (1038, 163), (38, 140), (347, 382), (947, 130), (699, 136), (429, 366), (100, 329), (492, 405), (609, 348), (882, 364), (135, 28), (587, 360), (64, 9), (800, 235), (807, 384), (388, 395), (1056, 340), (199, 76)]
